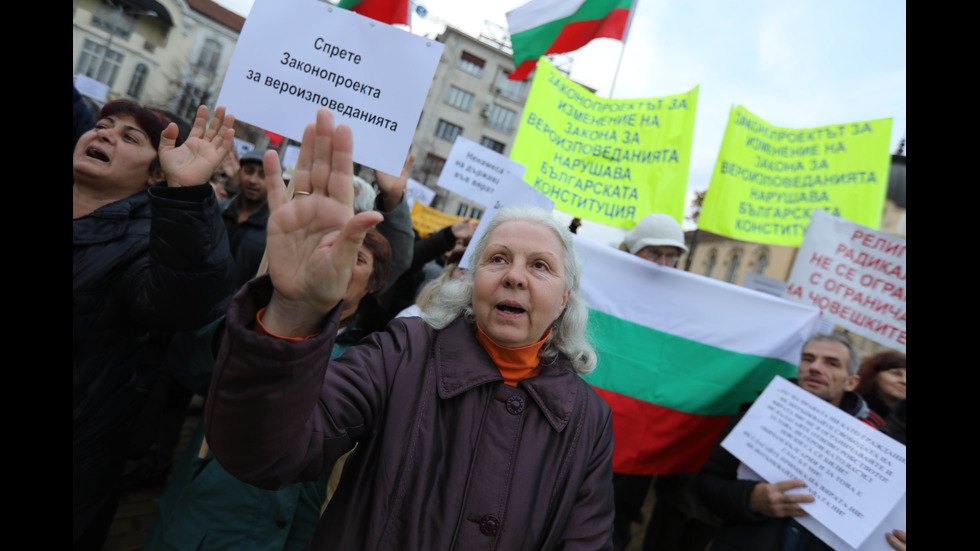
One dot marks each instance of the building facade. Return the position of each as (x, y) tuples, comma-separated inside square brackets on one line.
[(171, 54), (471, 97)]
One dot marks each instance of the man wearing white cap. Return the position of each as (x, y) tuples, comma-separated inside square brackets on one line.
[(657, 238)]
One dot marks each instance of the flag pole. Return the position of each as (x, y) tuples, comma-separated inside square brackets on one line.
[(622, 51), (616, 74)]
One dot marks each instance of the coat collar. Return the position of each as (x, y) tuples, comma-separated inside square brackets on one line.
[(461, 364), (110, 221)]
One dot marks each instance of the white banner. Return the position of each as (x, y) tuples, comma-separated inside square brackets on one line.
[(296, 56), (855, 275)]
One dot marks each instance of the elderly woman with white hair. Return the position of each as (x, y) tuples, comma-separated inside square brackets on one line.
[(473, 427)]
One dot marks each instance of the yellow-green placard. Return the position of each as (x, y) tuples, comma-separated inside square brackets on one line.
[(768, 180), (427, 219), (607, 160)]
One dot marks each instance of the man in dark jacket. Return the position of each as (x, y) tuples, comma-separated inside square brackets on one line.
[(758, 515), (246, 215)]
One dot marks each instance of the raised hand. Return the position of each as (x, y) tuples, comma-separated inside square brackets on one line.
[(313, 239), (196, 159), (393, 188), (772, 500), (464, 229)]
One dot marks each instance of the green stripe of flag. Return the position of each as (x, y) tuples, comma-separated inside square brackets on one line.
[(675, 372)]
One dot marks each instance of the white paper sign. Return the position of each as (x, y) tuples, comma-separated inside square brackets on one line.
[(475, 172), (896, 519), (296, 56), (416, 192), (856, 473), (512, 191), (855, 275), (90, 87)]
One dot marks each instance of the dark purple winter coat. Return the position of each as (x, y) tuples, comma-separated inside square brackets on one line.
[(448, 456)]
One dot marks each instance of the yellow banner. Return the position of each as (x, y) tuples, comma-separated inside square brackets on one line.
[(607, 160), (768, 180), (427, 219)]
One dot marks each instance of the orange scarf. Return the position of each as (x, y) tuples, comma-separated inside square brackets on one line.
[(515, 364)]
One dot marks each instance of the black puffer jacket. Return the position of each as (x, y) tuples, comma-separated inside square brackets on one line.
[(142, 267)]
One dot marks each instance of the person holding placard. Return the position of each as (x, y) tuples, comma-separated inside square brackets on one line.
[(473, 428), (759, 515)]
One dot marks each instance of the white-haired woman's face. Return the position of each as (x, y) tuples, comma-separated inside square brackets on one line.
[(519, 283)]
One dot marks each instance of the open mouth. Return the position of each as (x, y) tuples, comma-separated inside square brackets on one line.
[(510, 309), (96, 154)]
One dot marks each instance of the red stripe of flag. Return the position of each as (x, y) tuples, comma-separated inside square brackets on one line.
[(652, 439)]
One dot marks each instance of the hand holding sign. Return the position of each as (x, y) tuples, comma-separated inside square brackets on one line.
[(464, 229), (771, 500), (313, 240), (896, 539)]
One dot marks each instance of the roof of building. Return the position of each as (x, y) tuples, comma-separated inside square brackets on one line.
[(218, 13)]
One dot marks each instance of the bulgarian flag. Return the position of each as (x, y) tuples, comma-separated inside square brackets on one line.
[(387, 11), (678, 353), (558, 26)]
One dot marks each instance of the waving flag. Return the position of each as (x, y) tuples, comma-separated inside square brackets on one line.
[(387, 11), (558, 26), (678, 354)]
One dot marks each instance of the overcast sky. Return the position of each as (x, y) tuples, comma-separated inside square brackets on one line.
[(794, 63)]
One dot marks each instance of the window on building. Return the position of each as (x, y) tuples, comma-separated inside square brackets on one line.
[(513, 89), (471, 64), (113, 19), (492, 144), (712, 261), (138, 81), (189, 99), (448, 131), (461, 210), (732, 269), (95, 62), (501, 117), (476, 213), (433, 164), (210, 56), (459, 98), (762, 263)]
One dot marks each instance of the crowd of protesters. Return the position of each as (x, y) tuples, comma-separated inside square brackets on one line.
[(466, 427)]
